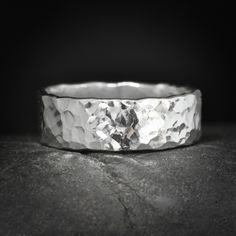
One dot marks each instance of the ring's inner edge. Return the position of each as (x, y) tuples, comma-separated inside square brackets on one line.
[(121, 90)]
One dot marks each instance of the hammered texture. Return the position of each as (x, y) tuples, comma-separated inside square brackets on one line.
[(115, 124)]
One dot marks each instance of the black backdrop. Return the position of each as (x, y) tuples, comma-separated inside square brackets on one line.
[(181, 44)]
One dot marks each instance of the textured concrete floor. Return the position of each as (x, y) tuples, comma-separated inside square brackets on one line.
[(185, 191)]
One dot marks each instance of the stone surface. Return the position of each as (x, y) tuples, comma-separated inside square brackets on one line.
[(184, 191), (114, 124)]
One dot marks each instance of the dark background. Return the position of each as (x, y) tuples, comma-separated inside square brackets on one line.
[(179, 44)]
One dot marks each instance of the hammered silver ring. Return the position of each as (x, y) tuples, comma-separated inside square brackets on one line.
[(120, 116)]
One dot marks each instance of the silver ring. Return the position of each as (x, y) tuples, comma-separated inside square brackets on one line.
[(120, 116)]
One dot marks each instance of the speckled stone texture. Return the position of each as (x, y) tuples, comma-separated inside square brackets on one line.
[(114, 124), (185, 191)]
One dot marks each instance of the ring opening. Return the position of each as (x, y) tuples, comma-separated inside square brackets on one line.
[(122, 90)]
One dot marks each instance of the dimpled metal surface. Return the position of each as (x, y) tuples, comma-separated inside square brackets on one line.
[(121, 124)]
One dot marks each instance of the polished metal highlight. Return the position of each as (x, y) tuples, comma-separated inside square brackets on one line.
[(120, 116)]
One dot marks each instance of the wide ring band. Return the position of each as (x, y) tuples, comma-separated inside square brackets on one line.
[(120, 116)]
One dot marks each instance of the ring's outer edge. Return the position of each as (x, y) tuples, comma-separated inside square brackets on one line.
[(145, 124)]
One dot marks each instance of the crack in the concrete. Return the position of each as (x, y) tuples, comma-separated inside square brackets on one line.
[(127, 213), (127, 219), (133, 190), (120, 181)]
